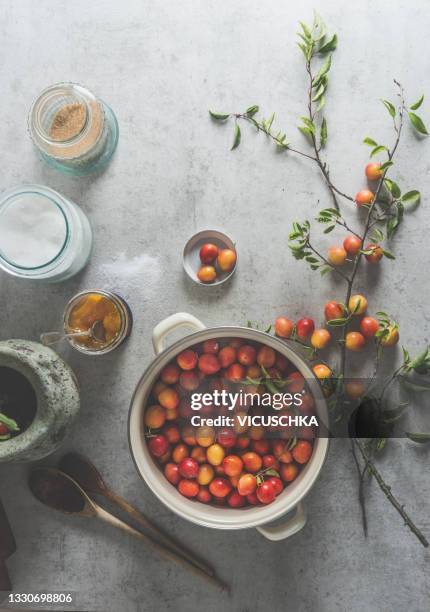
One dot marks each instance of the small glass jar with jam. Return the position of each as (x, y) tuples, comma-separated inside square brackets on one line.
[(73, 130), (105, 310)]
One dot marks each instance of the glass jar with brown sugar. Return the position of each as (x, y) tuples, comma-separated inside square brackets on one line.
[(74, 131)]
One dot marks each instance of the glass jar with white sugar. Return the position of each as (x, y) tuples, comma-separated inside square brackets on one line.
[(43, 235)]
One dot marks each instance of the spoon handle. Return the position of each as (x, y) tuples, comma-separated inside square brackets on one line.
[(165, 552), (162, 537), (48, 338)]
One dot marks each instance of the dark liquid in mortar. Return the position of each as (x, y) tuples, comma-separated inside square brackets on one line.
[(18, 399)]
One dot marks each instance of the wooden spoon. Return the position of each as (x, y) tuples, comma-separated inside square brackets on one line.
[(57, 490), (84, 472)]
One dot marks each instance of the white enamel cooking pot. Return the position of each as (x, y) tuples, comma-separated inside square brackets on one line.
[(291, 499)]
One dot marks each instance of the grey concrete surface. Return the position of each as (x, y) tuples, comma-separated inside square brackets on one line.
[(161, 65)]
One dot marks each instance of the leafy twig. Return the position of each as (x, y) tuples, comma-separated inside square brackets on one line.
[(386, 489), (277, 138), (302, 248), (321, 164), (391, 154)]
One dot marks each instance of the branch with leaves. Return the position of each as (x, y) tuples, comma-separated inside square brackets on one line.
[(386, 208), (314, 43)]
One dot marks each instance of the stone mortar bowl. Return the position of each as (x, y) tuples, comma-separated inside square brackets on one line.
[(57, 396)]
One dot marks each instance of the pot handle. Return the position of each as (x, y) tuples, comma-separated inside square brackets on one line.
[(167, 325), (292, 526)]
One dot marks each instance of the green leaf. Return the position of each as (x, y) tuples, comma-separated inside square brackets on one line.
[(271, 472), (306, 30), (292, 443), (308, 123), (417, 103), (269, 122), (322, 71), (329, 45), (324, 219), (338, 322), (421, 361), (357, 306), (388, 255), (5, 437), (10, 423), (296, 247), (381, 333), (370, 142), (384, 197), (320, 92), (418, 124), (390, 107), (320, 104), (377, 150), (380, 444), (306, 39), (329, 229), (237, 135), (394, 222), (218, 116), (308, 129), (252, 110), (393, 188), (393, 415), (319, 28), (377, 236), (386, 165), (270, 386), (325, 270), (406, 355), (421, 438), (411, 199), (305, 130), (323, 132), (304, 48)]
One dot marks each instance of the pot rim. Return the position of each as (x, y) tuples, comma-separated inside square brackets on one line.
[(206, 515)]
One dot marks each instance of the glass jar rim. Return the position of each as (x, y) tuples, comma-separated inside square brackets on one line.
[(53, 197), (123, 310), (37, 131)]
